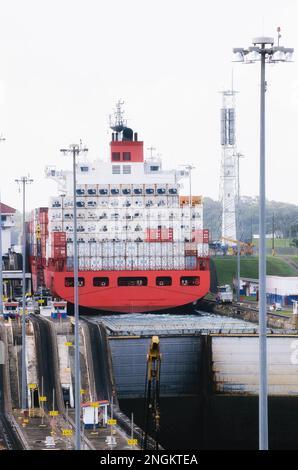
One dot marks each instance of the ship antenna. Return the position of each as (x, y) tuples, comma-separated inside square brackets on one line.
[(152, 149), (278, 35), (118, 123)]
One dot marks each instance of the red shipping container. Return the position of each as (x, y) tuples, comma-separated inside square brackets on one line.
[(58, 238), (58, 252), (205, 236)]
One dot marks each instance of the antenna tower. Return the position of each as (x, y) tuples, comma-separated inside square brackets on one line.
[(228, 172)]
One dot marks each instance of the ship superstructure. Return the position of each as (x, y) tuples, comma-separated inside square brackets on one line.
[(141, 246)]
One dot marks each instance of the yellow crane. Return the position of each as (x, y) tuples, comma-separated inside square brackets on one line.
[(245, 248), (152, 413)]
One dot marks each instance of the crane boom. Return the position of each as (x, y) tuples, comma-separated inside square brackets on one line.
[(152, 412)]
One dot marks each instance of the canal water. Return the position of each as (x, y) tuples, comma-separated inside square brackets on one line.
[(225, 422)]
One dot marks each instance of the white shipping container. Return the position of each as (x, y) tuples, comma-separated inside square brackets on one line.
[(141, 263), (170, 262), (152, 249), (99, 249), (152, 263), (176, 249), (99, 263), (111, 263), (91, 190), (140, 249), (105, 249), (55, 226), (158, 248), (69, 263), (69, 249), (178, 262), (93, 249), (105, 263), (93, 264), (81, 263), (147, 248), (81, 249), (119, 249), (165, 248), (164, 262), (131, 249), (119, 263), (158, 262), (131, 263), (68, 227)]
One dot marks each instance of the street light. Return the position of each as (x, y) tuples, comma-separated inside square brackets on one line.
[(2, 139), (238, 155), (263, 50), (23, 181), (62, 195), (190, 168), (75, 150)]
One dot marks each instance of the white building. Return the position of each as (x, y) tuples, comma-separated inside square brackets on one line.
[(7, 220)]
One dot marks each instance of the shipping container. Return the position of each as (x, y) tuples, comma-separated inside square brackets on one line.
[(103, 190), (58, 252), (93, 264), (119, 263), (69, 263), (58, 238), (191, 262)]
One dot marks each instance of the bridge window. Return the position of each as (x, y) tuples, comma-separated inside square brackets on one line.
[(126, 156), (69, 282), (116, 169), (164, 281), (116, 156), (84, 168), (189, 281), (100, 281), (132, 281), (126, 169)]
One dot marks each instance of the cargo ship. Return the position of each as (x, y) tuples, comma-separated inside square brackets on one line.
[(141, 244)]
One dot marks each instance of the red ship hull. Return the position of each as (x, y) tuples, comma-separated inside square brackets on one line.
[(130, 299)]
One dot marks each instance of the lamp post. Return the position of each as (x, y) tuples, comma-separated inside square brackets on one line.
[(2, 139), (23, 181), (76, 150), (238, 155), (263, 50), (62, 195), (190, 168)]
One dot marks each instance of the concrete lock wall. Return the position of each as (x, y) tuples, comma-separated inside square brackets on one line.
[(235, 365), (180, 367)]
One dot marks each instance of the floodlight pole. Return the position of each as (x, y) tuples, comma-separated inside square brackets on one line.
[(263, 372), (23, 181), (238, 155), (75, 150), (263, 50), (2, 139)]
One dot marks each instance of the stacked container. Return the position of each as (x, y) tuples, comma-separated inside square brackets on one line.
[(129, 227)]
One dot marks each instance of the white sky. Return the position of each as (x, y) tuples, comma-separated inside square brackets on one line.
[(64, 64)]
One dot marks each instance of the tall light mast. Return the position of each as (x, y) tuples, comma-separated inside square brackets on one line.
[(228, 173)]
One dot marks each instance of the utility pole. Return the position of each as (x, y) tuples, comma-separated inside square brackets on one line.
[(273, 234), (263, 51), (238, 155), (75, 150), (190, 168), (2, 139), (23, 181)]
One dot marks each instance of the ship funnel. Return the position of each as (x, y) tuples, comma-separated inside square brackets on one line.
[(127, 134)]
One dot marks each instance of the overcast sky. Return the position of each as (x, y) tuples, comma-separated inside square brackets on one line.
[(64, 64)]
